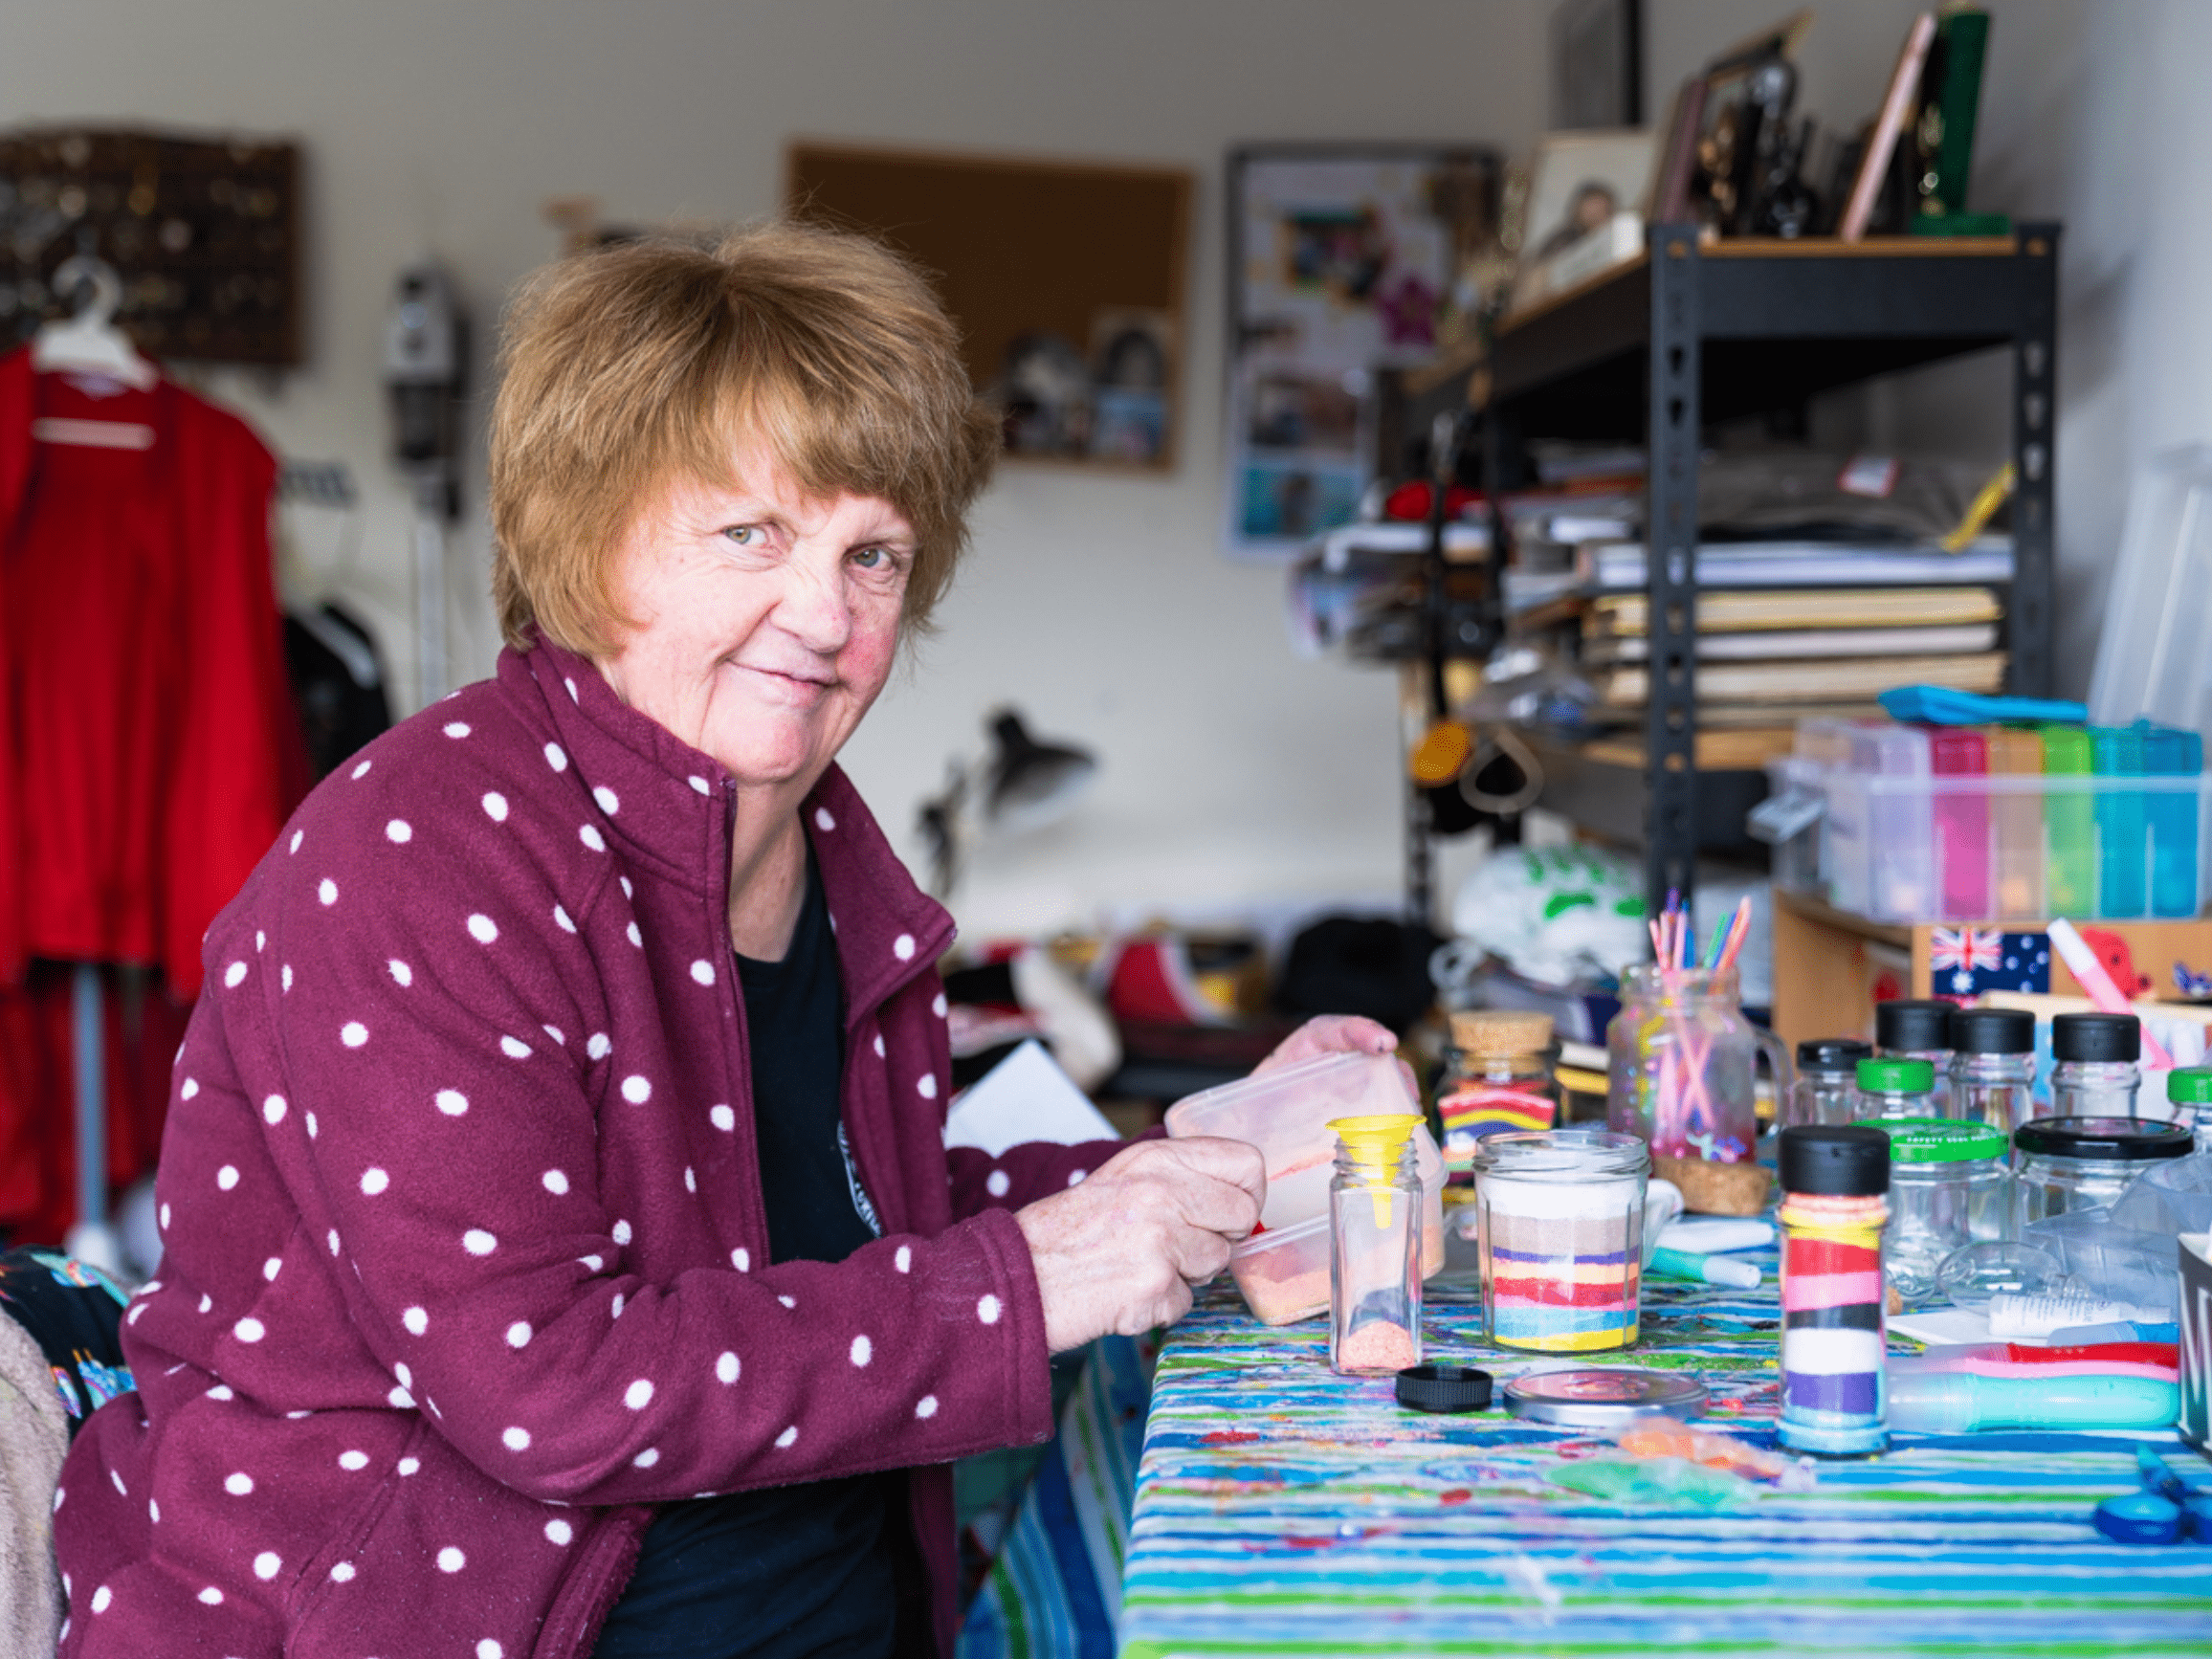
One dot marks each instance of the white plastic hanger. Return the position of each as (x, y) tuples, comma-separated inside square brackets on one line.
[(89, 346)]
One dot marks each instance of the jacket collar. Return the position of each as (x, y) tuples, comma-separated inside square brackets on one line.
[(671, 812)]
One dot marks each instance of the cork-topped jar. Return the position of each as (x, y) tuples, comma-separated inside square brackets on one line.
[(1500, 1081)]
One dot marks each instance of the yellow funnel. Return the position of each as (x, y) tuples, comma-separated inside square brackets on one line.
[(1376, 1145)]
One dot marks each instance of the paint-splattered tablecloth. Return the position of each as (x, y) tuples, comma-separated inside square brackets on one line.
[(1282, 1509)]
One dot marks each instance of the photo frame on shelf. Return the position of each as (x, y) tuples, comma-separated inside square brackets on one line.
[(1596, 64), (1344, 260), (1583, 212), (1066, 279)]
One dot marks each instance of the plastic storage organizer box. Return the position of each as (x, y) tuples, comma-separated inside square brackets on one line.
[(1988, 824), (1283, 1268)]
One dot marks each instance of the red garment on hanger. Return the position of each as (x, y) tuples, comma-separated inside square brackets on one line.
[(149, 748)]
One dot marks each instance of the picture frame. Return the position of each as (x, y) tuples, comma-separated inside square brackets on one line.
[(1343, 260), (1596, 64), (1584, 209)]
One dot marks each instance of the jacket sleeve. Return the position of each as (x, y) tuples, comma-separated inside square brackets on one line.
[(446, 1079), (1024, 1174)]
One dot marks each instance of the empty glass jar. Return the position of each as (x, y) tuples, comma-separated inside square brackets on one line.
[(1826, 1086), (1895, 1089), (1993, 1066), (2072, 1164), (2096, 1073), (1949, 1187), (1918, 1028)]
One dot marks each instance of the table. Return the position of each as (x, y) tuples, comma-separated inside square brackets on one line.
[(1282, 1509)]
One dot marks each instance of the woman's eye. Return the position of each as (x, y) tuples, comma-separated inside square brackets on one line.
[(744, 535), (875, 559)]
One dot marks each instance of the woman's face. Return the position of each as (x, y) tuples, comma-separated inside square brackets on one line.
[(766, 622)]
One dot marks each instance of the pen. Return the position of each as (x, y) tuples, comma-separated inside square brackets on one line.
[(1710, 1270)]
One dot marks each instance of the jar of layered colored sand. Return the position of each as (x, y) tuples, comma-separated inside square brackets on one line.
[(1834, 1181), (1375, 1228), (1560, 1238)]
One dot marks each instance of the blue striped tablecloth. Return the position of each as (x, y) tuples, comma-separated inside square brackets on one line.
[(1282, 1509)]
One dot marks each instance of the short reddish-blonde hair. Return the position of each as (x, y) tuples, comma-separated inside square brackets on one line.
[(634, 366)]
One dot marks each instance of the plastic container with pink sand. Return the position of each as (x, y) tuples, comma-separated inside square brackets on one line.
[(1283, 1268)]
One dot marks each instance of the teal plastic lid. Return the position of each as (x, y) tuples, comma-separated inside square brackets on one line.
[(1941, 1141), (1896, 1076), (2190, 1087)]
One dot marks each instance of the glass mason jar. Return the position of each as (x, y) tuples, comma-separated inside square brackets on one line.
[(1499, 1080), (1894, 1088), (1560, 1238), (1993, 1066), (1918, 1028), (2080, 1163), (1683, 1060), (1827, 1083), (1949, 1187), (1375, 1226), (2095, 1074)]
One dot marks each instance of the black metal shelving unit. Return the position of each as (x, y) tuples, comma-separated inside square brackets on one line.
[(1689, 336)]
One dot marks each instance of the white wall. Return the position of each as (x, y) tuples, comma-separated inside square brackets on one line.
[(1100, 605)]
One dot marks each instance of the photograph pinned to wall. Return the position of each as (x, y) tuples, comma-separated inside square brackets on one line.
[(1344, 260), (1131, 354)]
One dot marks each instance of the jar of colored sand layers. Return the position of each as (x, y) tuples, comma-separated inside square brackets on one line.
[(1560, 1238)]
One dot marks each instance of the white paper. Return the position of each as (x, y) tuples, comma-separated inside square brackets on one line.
[(1940, 1327), (1025, 1097)]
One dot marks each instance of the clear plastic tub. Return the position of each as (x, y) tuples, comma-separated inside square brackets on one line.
[(1907, 836), (1286, 1114), (1284, 1272)]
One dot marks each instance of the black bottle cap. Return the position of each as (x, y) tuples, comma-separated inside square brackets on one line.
[(1839, 1055), (1845, 1161), (2106, 1038), (1993, 1031), (1912, 1025), (2107, 1139), (1444, 1388)]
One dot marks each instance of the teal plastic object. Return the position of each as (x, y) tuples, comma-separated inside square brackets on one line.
[(2169, 752), (2123, 846), (1960, 1402), (1935, 705)]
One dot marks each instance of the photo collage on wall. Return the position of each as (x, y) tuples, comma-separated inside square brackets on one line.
[(1344, 263)]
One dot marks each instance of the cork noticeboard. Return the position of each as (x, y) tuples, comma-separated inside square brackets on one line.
[(1067, 280)]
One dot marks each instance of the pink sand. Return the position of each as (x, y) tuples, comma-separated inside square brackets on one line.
[(1377, 1346)]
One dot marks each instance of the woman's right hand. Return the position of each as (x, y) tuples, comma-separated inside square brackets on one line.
[(1121, 1252)]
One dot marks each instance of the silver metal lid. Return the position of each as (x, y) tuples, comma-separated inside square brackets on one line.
[(1602, 1396)]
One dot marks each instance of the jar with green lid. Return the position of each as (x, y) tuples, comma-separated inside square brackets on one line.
[(1949, 1187), (2189, 1091), (1895, 1089)]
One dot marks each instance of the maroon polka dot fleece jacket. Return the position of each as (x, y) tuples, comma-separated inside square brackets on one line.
[(466, 1265)]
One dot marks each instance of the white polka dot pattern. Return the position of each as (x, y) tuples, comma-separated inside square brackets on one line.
[(902, 947), (903, 1261), (823, 820), (1077, 1177), (596, 1047), (703, 972), (590, 836), (988, 1310), (353, 1033), (402, 975), (609, 802), (235, 976), (488, 1648), (212, 1596), (561, 919), (635, 1090), (515, 1439), (788, 1439), (646, 1458), (192, 1088), (723, 1118), (272, 1110), (353, 1461), (417, 1320), (514, 1047), (451, 1560), (701, 785), (227, 1177), (741, 1259), (271, 1268), (518, 1334), (362, 770), (863, 1351), (555, 1183), (267, 1565), (556, 756), (452, 1102), (726, 1369), (341, 1573), (373, 1182), (248, 1330), (457, 729), (399, 832), (409, 1465), (633, 936), (939, 1006), (479, 1242), (926, 1406), (495, 807), (483, 929), (102, 1599), (926, 1086), (239, 1485), (620, 1233), (997, 1184), (328, 892), (560, 1532)]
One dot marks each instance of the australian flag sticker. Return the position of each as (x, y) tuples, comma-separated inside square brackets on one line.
[(1964, 962)]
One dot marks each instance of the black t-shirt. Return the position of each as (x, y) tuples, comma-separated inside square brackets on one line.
[(821, 1568)]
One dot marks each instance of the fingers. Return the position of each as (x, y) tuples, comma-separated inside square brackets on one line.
[(1238, 1162), (1196, 1254), (1330, 1034)]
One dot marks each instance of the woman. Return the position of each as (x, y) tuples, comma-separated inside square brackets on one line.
[(562, 1252)]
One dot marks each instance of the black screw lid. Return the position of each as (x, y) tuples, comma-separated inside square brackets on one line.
[(1993, 1031), (1839, 1055), (1844, 1161), (1444, 1388), (2107, 1037), (1912, 1025), (2107, 1139)]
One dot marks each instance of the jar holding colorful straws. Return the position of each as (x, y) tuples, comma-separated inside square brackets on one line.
[(1684, 1057)]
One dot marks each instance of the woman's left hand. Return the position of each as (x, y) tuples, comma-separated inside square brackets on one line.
[(1330, 1034)]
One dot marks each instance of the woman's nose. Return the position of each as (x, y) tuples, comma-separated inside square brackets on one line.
[(815, 610)]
